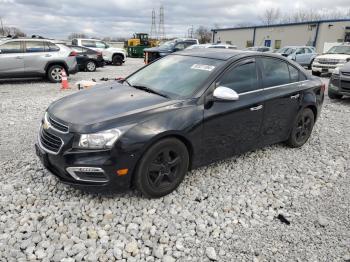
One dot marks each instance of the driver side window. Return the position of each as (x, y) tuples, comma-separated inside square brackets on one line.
[(242, 78), (180, 46)]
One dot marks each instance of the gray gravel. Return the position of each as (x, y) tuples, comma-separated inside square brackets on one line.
[(225, 212)]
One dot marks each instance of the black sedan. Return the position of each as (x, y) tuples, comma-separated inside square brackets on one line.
[(183, 111), (88, 59)]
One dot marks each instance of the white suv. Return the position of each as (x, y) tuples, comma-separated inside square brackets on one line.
[(116, 56), (337, 56)]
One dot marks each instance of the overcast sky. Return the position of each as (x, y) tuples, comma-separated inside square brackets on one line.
[(58, 18)]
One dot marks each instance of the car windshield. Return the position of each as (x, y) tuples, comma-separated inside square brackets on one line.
[(286, 51), (167, 45), (339, 50), (175, 76)]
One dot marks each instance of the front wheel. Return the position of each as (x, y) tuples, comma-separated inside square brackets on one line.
[(162, 168), (117, 60), (302, 128)]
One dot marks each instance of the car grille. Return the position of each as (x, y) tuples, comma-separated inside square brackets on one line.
[(60, 127), (345, 85), (50, 142), (328, 61)]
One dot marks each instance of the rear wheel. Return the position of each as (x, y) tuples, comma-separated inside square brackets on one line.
[(90, 66), (314, 73), (162, 168), (117, 60), (54, 73), (332, 95), (302, 128)]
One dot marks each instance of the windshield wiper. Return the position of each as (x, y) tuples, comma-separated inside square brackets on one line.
[(150, 90)]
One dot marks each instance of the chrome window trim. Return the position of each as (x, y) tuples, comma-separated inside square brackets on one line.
[(72, 170), (44, 148), (269, 88)]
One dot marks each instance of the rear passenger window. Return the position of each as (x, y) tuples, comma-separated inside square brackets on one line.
[(274, 72), (294, 74), (88, 43), (35, 46), (11, 48), (51, 47), (242, 78)]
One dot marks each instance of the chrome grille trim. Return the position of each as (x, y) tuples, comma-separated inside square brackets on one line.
[(59, 127), (48, 138)]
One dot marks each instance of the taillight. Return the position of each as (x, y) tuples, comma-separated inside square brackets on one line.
[(323, 87), (73, 53), (99, 53)]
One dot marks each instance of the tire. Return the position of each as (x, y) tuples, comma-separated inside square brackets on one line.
[(332, 95), (162, 168), (54, 73), (117, 60), (90, 66), (314, 73), (302, 128)]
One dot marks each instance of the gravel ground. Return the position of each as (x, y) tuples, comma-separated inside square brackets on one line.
[(274, 204)]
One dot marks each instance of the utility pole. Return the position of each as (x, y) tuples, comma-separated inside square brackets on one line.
[(153, 33), (161, 30), (2, 27)]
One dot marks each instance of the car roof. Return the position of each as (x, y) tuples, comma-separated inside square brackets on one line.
[(222, 54)]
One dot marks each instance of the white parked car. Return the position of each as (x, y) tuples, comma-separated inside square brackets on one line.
[(199, 46), (336, 57), (116, 56)]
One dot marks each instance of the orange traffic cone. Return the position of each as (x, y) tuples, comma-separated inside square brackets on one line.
[(64, 80)]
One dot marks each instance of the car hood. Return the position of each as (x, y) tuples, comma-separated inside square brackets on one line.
[(92, 108), (334, 56), (157, 49)]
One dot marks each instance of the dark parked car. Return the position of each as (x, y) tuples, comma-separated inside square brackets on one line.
[(154, 53), (339, 84), (183, 111), (88, 59)]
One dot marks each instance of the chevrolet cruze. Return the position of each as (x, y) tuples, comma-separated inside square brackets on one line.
[(186, 110)]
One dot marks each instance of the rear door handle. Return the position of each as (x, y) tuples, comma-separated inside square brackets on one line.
[(256, 108), (295, 96), (48, 55), (19, 57)]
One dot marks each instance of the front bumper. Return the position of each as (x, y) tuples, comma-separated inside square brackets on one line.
[(339, 84), (107, 161), (324, 68)]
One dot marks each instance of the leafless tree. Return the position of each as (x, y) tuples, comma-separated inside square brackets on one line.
[(270, 16), (203, 34), (13, 31), (77, 35), (303, 15)]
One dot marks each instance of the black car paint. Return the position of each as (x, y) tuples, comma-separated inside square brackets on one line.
[(155, 53), (87, 55), (210, 129), (340, 83)]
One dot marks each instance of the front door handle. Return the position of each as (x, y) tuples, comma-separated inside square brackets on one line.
[(48, 55), (295, 96), (256, 108), (19, 57)]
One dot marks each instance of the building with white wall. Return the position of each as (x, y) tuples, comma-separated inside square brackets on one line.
[(314, 33)]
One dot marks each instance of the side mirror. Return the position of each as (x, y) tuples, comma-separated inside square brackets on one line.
[(225, 93)]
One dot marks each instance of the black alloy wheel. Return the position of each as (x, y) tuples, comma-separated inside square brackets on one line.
[(302, 128), (162, 168)]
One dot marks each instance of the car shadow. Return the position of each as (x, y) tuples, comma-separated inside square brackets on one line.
[(23, 80)]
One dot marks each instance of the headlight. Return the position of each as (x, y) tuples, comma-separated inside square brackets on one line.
[(343, 61), (100, 140), (316, 60), (336, 71)]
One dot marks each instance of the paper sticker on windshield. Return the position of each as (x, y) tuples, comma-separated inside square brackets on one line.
[(203, 67)]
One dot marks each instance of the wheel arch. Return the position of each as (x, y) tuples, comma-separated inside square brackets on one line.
[(61, 63)]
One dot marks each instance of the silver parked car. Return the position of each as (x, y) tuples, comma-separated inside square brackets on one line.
[(35, 57), (303, 55)]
